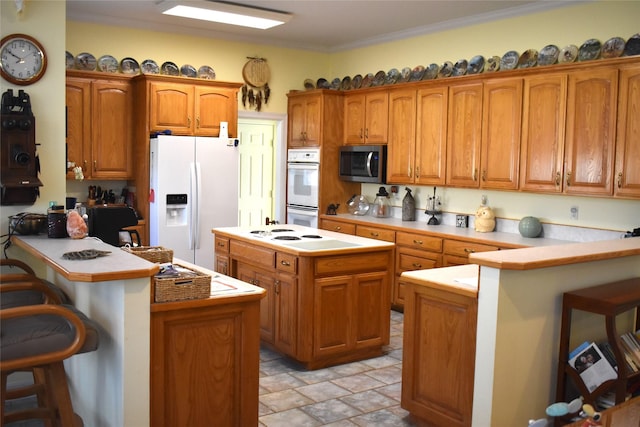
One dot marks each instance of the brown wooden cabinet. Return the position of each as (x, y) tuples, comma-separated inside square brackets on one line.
[(366, 118), (456, 252), (99, 125), (192, 109), (401, 155), (337, 226), (627, 172), (265, 280), (431, 136), (305, 120), (413, 252)]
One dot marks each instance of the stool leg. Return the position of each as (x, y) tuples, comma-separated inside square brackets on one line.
[(57, 382), (44, 398), (3, 379)]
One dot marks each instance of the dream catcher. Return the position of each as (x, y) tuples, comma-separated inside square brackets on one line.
[(256, 90)]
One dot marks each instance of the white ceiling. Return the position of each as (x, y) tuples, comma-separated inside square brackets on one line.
[(318, 25)]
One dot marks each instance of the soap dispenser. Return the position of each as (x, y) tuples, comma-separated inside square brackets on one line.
[(408, 206), (381, 205)]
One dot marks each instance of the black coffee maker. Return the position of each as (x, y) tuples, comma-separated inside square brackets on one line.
[(108, 222)]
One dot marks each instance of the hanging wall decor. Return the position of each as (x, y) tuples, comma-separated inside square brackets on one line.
[(256, 89)]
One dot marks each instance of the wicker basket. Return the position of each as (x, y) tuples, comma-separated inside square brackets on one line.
[(192, 286), (156, 254)]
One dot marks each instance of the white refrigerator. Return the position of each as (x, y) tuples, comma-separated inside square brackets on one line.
[(193, 188)]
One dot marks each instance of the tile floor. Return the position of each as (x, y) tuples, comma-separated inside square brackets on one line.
[(364, 393)]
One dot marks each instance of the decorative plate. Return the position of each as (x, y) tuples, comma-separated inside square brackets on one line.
[(86, 61), (379, 78), (493, 64), (612, 48), (149, 66), (309, 85), (367, 81), (345, 84), (335, 83), (206, 72), (633, 46), (169, 69), (446, 69), (405, 75), (568, 54), (528, 59), (70, 61), (188, 70), (589, 50), (548, 55), (509, 60), (460, 68), (356, 81), (129, 66), (322, 83), (392, 76), (417, 73), (108, 63), (476, 65), (431, 72)]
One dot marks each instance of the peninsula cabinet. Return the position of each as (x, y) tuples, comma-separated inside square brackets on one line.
[(627, 172), (192, 109), (99, 123), (366, 118), (313, 117)]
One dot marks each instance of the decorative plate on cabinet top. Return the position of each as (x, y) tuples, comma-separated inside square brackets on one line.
[(392, 76), (633, 46), (367, 80), (335, 83), (308, 84), (417, 73), (528, 59), (548, 55), (460, 68), (356, 81), (446, 69), (108, 64), (149, 66), (612, 48), (188, 70), (129, 66), (322, 83), (431, 72), (476, 65), (568, 54), (206, 72), (69, 61), (86, 61), (405, 75), (589, 50), (378, 79), (509, 60), (345, 84), (169, 69), (493, 64)]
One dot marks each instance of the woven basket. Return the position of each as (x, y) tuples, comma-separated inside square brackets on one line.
[(156, 254), (182, 288)]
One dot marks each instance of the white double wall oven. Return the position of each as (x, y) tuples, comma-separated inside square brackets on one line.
[(303, 181)]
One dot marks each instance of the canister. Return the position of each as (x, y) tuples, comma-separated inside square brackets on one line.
[(57, 222)]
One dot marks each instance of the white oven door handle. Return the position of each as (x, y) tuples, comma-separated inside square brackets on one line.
[(303, 166), (303, 211)]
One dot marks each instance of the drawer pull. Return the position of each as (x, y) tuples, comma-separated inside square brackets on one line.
[(338, 228), (220, 244), (276, 288), (374, 234), (417, 265), (469, 251), (285, 263), (417, 242)]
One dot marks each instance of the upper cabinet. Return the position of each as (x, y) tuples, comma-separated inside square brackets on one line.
[(305, 120), (99, 125), (366, 118), (402, 136), (192, 109), (627, 172)]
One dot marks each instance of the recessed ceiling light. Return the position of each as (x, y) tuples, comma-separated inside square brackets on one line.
[(225, 13)]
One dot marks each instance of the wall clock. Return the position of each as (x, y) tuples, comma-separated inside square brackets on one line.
[(23, 60)]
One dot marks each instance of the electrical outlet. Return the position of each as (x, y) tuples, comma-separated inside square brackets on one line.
[(483, 200), (574, 212)]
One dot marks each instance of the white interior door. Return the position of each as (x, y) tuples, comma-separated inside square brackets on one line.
[(257, 178)]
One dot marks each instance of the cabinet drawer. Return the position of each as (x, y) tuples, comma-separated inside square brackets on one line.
[(255, 255), (221, 245), (409, 260), (335, 265), (376, 233), (463, 249), (418, 241), (287, 262), (340, 227)]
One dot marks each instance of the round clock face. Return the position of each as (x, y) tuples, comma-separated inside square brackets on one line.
[(22, 59)]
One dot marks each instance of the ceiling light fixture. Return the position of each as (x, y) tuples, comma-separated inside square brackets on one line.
[(225, 13)]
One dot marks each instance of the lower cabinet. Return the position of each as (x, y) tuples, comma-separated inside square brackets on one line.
[(413, 252), (205, 364), (439, 355), (266, 281), (456, 252)]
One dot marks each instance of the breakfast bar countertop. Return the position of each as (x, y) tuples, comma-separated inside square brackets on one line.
[(117, 265)]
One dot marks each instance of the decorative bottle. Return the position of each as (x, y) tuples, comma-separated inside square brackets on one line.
[(408, 206)]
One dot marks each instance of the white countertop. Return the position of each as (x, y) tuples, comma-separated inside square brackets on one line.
[(460, 279)]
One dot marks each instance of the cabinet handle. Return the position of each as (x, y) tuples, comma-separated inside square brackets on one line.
[(374, 234), (417, 171), (285, 263), (95, 165), (189, 121), (220, 244), (569, 179), (276, 289), (366, 133), (84, 164), (417, 242), (619, 179), (337, 228), (198, 122), (361, 135), (484, 174), (256, 282), (417, 265), (469, 251), (558, 180), (475, 174)]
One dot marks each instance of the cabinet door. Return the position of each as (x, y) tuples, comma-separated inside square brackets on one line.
[(286, 313), (354, 111), (267, 304), (78, 103), (111, 130), (591, 126), (222, 265), (627, 175), (333, 315), (296, 113), (402, 137), (501, 126), (464, 134), (376, 122), (372, 306), (431, 136), (215, 105), (171, 107), (305, 120), (313, 121), (543, 125)]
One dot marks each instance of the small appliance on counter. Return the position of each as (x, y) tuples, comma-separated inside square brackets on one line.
[(107, 222)]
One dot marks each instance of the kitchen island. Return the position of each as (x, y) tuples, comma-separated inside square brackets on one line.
[(327, 293)]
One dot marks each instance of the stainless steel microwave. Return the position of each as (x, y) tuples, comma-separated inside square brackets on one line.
[(363, 163)]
